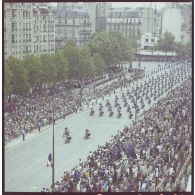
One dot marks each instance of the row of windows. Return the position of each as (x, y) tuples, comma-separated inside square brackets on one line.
[(72, 22), (126, 21), (28, 49), (119, 27), (151, 40), (130, 33), (23, 14), (27, 38)]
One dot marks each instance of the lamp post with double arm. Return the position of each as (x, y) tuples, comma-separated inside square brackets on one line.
[(53, 152)]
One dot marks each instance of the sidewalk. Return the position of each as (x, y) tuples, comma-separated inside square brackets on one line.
[(35, 133)]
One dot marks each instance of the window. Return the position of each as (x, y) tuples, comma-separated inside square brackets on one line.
[(14, 13), (146, 40), (152, 40), (14, 39)]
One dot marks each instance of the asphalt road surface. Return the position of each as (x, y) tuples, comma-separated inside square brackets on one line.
[(25, 161)]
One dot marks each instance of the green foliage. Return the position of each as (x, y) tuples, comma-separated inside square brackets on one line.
[(104, 50), (167, 42), (86, 66), (7, 80), (48, 69), (71, 53), (61, 64), (33, 67), (184, 49), (113, 47), (19, 76), (99, 64)]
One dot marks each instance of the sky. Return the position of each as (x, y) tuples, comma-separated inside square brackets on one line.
[(158, 5), (139, 4)]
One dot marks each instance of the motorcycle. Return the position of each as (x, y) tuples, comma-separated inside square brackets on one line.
[(110, 108), (67, 139), (119, 115), (87, 135), (111, 113), (107, 103), (101, 113), (130, 115), (92, 112)]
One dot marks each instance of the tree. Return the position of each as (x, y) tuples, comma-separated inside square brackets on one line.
[(71, 53), (33, 66), (126, 47), (189, 48), (184, 49), (103, 43), (99, 63), (19, 76), (48, 69), (61, 64), (86, 67), (167, 43), (8, 77), (113, 47)]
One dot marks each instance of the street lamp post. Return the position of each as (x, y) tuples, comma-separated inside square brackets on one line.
[(53, 167), (139, 65), (136, 103)]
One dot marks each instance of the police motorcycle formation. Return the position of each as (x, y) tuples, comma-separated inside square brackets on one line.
[(142, 93)]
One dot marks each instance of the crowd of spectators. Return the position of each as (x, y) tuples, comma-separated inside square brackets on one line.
[(34, 110), (145, 157)]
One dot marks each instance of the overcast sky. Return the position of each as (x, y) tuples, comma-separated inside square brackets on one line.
[(139, 4), (158, 5)]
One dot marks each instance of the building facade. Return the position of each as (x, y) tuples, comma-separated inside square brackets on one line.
[(148, 41), (126, 21), (187, 23), (72, 24), (151, 21), (172, 21), (28, 29)]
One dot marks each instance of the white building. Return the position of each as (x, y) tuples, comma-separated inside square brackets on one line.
[(172, 22), (148, 41)]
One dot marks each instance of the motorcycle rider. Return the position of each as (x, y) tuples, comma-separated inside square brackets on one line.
[(92, 111), (66, 135), (66, 131), (87, 133)]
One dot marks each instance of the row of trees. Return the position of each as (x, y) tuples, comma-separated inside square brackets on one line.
[(104, 50), (168, 43)]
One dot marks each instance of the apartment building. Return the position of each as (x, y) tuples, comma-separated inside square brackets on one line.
[(187, 23), (43, 30), (151, 21), (127, 21), (72, 24), (28, 29)]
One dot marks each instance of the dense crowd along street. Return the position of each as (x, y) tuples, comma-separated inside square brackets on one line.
[(146, 155)]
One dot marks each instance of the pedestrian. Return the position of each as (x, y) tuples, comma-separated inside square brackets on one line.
[(23, 133), (49, 161), (39, 126)]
